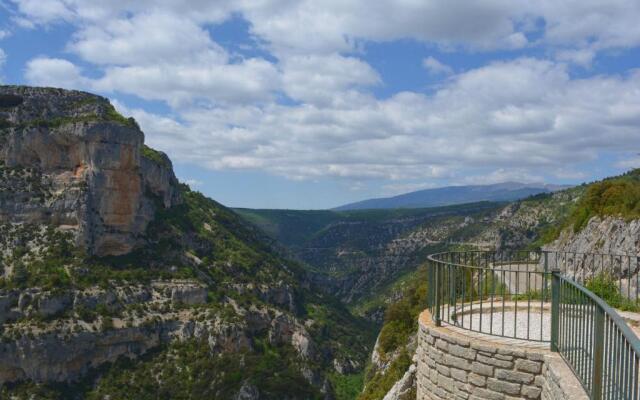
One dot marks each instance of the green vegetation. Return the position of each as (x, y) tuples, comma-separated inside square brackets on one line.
[(400, 323), (155, 156), (186, 370), (606, 287), (230, 253), (401, 317), (346, 387), (378, 385), (114, 116), (294, 228), (273, 370), (619, 196)]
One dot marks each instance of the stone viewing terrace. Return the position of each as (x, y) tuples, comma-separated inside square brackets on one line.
[(521, 325), (453, 364)]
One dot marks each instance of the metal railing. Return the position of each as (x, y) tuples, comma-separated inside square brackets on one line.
[(498, 293), (580, 267), (539, 296), (595, 341)]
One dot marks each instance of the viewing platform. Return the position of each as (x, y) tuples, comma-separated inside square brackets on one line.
[(523, 325)]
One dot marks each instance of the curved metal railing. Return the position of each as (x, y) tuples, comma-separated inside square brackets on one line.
[(598, 345), (539, 296), (498, 293)]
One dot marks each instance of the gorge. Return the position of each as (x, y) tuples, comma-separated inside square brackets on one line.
[(118, 281)]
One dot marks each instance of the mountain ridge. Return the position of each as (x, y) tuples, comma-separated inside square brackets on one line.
[(458, 194)]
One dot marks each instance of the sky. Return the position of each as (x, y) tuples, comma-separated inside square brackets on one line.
[(311, 104)]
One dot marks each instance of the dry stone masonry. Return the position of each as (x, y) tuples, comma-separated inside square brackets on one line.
[(456, 366)]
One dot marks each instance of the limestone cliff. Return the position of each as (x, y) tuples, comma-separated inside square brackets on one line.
[(118, 282), (608, 235), (67, 158)]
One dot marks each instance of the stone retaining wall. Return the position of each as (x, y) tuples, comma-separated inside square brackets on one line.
[(452, 365)]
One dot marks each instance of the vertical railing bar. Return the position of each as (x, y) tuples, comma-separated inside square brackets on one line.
[(437, 295), (576, 313), (618, 366), (627, 383), (493, 292), (555, 309), (583, 338), (580, 344), (481, 291), (504, 285), (515, 310), (464, 289), (592, 339), (528, 301), (598, 352), (636, 376), (545, 275)]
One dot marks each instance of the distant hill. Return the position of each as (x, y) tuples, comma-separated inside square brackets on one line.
[(507, 191)]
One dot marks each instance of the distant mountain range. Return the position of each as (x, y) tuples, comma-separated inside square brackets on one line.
[(507, 191)]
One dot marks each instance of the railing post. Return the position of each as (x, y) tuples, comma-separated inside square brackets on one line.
[(437, 299), (429, 285), (555, 307), (598, 354), (545, 275)]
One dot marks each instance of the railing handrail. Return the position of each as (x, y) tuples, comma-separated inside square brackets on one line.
[(584, 329), (582, 253), (494, 269), (628, 334), (430, 257)]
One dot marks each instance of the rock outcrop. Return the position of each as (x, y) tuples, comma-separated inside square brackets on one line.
[(68, 159), (105, 257), (608, 235)]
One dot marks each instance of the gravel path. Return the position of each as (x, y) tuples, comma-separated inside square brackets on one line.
[(520, 325)]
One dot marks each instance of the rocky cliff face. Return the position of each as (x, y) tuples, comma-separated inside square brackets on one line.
[(115, 275), (609, 235), (67, 158)]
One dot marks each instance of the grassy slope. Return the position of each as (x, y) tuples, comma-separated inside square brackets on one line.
[(617, 196)]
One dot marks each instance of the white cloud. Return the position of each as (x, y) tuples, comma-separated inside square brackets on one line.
[(307, 26), (250, 80), (192, 182), (581, 57), (318, 80), (43, 71), (146, 39), (337, 25), (629, 163), (508, 117), (599, 24), (44, 11), (435, 67)]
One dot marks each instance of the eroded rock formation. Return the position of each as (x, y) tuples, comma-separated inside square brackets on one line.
[(67, 158)]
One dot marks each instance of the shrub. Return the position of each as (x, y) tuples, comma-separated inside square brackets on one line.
[(606, 287), (616, 197), (400, 319)]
